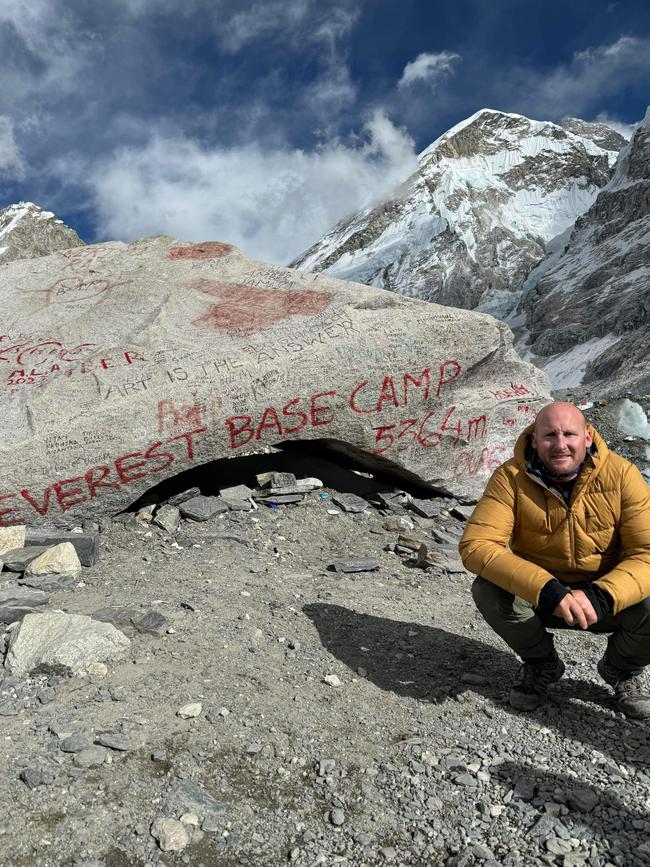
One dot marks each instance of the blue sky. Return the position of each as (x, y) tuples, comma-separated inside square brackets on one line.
[(263, 122)]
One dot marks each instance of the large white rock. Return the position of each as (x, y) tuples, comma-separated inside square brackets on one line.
[(60, 642), (60, 559), (12, 537), (129, 364)]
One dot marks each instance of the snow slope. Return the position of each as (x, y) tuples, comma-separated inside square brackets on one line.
[(468, 226)]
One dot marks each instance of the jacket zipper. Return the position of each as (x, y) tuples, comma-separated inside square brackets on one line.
[(569, 509), (572, 537)]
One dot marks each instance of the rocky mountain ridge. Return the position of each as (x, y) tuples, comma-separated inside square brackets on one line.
[(587, 304), (468, 226), (26, 232)]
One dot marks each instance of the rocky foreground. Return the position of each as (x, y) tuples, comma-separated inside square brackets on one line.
[(272, 707)]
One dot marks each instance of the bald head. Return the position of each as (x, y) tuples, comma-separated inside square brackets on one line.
[(561, 438), (559, 411)]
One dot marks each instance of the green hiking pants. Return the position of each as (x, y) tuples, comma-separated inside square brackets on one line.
[(524, 630)]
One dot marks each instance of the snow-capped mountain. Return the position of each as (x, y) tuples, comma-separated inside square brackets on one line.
[(587, 304), (466, 228), (27, 232)]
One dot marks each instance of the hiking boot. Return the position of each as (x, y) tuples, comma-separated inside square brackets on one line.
[(533, 681), (630, 692)]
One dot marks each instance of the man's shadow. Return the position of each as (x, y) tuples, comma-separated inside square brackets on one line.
[(427, 663)]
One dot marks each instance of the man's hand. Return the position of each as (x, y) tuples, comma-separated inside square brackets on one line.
[(576, 609)]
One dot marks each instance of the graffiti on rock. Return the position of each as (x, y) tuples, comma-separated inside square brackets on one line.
[(243, 310), (206, 250)]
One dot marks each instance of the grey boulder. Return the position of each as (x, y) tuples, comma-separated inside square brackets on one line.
[(161, 356), (17, 602)]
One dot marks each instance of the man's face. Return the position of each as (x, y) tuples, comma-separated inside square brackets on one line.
[(561, 438)]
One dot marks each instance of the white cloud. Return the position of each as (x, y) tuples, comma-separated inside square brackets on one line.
[(49, 30), (10, 156), (273, 204), (332, 91), (592, 75), (624, 129), (304, 20), (429, 68)]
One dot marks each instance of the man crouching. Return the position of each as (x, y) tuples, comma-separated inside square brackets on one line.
[(561, 538)]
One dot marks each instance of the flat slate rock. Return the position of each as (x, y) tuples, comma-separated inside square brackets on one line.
[(449, 561), (128, 619), (236, 492), (201, 508), (362, 564), (445, 537), (183, 497), (114, 741), (152, 623), (280, 480), (18, 559), (425, 508), (350, 502), (392, 502), (17, 602), (279, 499), (49, 583)]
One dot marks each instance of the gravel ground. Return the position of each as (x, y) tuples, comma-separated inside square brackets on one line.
[(349, 719)]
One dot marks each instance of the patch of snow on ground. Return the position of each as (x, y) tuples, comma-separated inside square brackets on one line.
[(568, 368)]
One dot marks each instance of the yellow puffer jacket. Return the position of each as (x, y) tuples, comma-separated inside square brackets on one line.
[(521, 534)]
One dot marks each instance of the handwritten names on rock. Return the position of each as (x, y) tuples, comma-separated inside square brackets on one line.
[(150, 358)]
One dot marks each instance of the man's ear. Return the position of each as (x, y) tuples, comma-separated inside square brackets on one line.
[(588, 439), (534, 440)]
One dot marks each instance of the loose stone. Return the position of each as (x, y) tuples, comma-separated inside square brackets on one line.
[(183, 497), (151, 623), (168, 518), (12, 537), (188, 711), (171, 834), (74, 744), (86, 544), (425, 508), (365, 564), (200, 508), (583, 799), (350, 502), (557, 847), (92, 757), (59, 560), (114, 741), (32, 777)]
